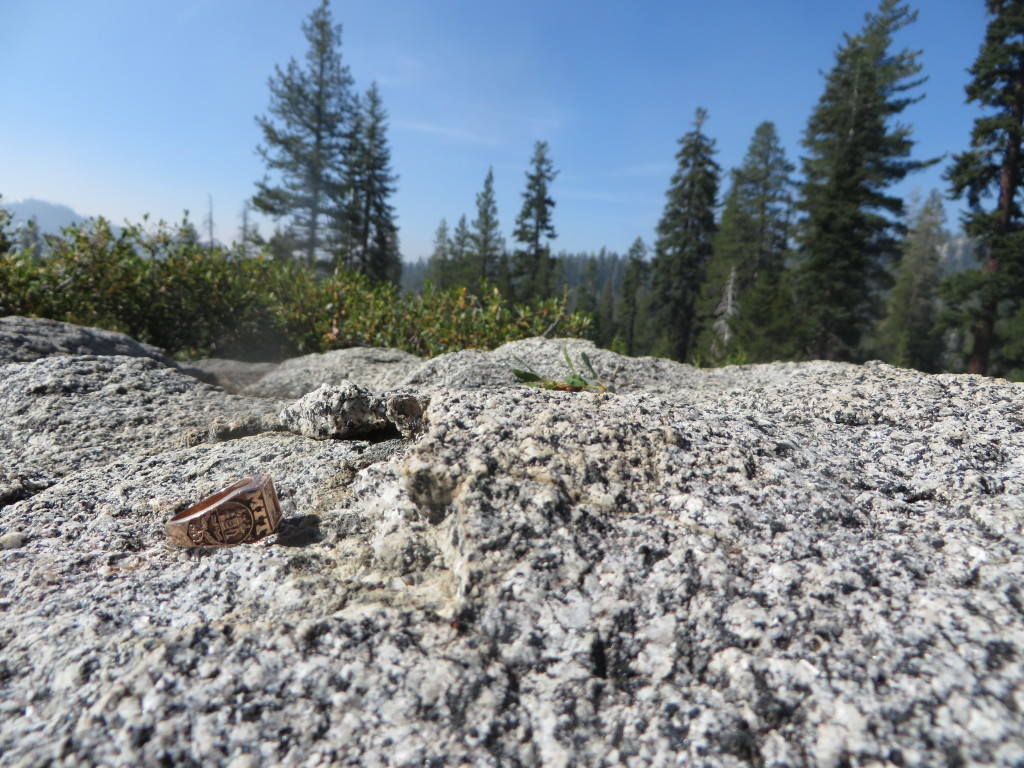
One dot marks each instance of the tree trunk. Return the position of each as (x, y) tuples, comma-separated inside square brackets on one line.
[(1009, 179)]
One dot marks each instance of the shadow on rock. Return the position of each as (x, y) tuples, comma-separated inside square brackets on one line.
[(299, 531)]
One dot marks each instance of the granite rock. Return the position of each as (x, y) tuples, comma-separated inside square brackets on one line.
[(230, 375), (339, 411), (63, 414), (784, 565), (371, 367), (23, 339), (384, 369)]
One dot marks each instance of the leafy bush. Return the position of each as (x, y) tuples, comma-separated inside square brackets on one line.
[(439, 321), (164, 288)]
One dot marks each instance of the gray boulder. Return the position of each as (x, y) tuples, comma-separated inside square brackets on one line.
[(64, 414), (230, 375), (371, 367), (781, 565), (23, 339)]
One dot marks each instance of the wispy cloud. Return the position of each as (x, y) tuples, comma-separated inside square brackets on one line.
[(588, 194), (452, 134), (640, 171), (403, 71), (646, 169), (190, 11), (543, 125)]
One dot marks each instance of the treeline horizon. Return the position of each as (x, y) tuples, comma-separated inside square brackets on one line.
[(776, 259), (765, 263)]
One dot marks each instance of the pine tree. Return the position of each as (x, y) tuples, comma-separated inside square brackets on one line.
[(249, 238), (6, 244), (283, 244), (370, 242), (488, 246), (604, 316), (585, 299), (993, 165), (749, 249), (439, 265), (304, 138), (634, 280), (852, 226), (909, 336), (460, 252), (764, 330), (684, 245), (532, 265)]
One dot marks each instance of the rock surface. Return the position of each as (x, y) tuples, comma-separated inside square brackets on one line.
[(23, 339), (782, 565), (368, 366), (63, 414), (230, 375)]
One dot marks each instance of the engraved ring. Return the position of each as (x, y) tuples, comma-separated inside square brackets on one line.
[(243, 512)]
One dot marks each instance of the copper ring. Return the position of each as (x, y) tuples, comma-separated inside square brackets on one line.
[(243, 512)]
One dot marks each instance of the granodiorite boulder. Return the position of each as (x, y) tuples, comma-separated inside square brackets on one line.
[(781, 565), (23, 339), (63, 414), (367, 366)]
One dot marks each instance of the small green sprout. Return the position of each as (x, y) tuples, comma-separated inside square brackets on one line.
[(574, 382)]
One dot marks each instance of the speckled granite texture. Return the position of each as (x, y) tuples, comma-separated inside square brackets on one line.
[(780, 565)]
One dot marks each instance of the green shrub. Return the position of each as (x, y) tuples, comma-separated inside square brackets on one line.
[(165, 288), (94, 276), (202, 300)]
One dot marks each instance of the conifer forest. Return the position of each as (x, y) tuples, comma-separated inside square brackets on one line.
[(779, 258)]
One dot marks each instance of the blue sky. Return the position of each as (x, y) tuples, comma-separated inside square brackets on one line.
[(126, 107)]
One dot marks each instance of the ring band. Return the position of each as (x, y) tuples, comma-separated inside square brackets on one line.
[(243, 512)]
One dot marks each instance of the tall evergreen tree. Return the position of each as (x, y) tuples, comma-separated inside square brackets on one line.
[(304, 138), (532, 265), (460, 254), (585, 295), (634, 279), (750, 246), (439, 265), (6, 243), (488, 246), (249, 238), (370, 242), (685, 234), (994, 164), (855, 152), (604, 315), (909, 336)]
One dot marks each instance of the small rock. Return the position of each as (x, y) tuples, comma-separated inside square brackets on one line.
[(372, 367), (342, 410), (13, 540)]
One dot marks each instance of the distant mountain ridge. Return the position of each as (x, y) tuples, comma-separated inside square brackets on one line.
[(51, 218)]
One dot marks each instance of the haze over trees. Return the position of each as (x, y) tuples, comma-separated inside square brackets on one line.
[(825, 263), (776, 259)]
